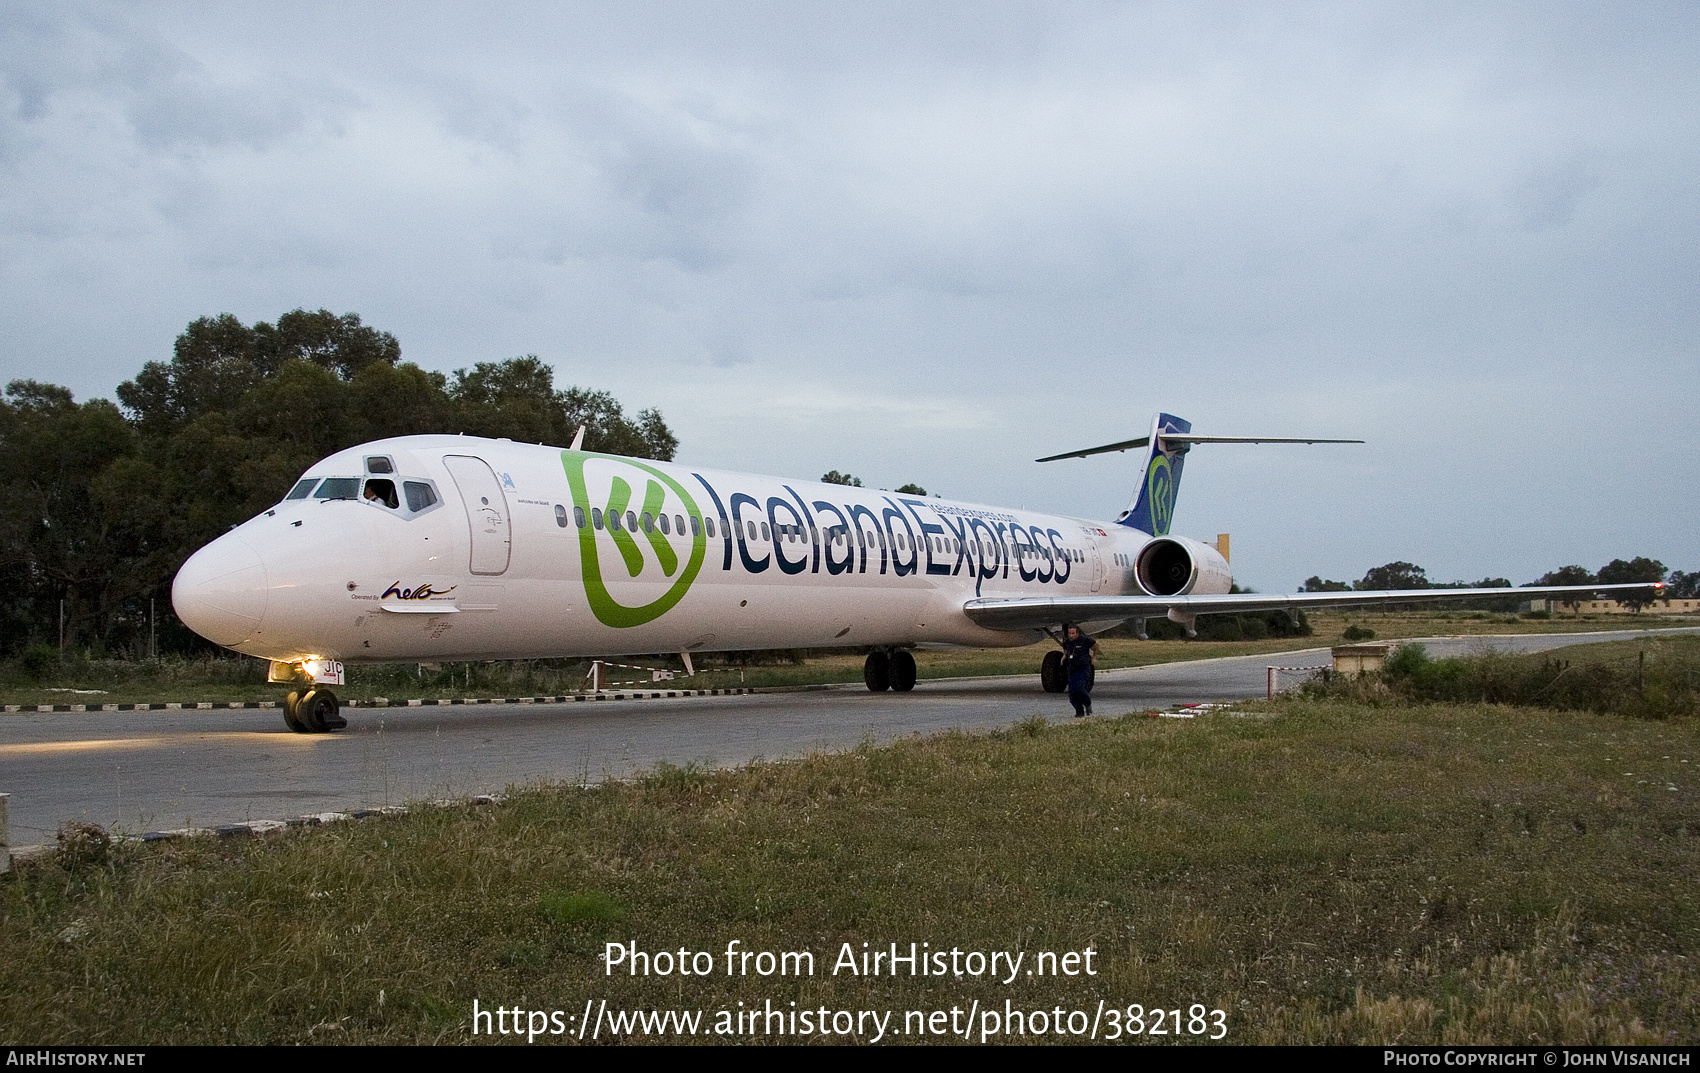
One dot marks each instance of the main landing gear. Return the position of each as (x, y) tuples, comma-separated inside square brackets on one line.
[(1053, 676), (889, 670)]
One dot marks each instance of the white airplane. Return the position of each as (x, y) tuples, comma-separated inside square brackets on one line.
[(434, 548)]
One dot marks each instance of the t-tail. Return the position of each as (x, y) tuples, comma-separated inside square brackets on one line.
[(1153, 506)]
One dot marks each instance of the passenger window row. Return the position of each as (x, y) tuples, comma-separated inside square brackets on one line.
[(673, 524), (668, 524), (676, 524)]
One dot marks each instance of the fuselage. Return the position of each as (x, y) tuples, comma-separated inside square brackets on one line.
[(428, 548)]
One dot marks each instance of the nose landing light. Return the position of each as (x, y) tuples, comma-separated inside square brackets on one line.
[(220, 593)]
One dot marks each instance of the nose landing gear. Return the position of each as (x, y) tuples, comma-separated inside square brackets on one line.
[(290, 719), (312, 710)]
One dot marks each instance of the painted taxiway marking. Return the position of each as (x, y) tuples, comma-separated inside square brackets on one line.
[(279, 737)]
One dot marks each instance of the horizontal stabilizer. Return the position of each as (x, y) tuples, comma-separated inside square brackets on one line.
[(1180, 438), (1252, 439), (1039, 612), (1125, 445)]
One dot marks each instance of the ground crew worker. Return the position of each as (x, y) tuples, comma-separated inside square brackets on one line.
[(1080, 655)]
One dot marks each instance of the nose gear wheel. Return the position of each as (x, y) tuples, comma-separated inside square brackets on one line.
[(313, 712)]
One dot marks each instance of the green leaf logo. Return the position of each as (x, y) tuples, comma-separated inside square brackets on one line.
[(624, 537), (1160, 484)]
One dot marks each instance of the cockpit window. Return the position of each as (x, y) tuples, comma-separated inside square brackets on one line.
[(419, 495), (338, 488), (381, 490), (302, 487), (379, 464)]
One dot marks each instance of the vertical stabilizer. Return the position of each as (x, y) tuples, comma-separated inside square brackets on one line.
[(1153, 504)]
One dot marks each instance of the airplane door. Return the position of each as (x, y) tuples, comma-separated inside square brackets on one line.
[(1098, 570), (486, 512)]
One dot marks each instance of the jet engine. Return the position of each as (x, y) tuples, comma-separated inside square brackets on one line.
[(1176, 566)]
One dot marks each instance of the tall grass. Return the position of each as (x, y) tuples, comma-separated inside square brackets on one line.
[(1652, 679)]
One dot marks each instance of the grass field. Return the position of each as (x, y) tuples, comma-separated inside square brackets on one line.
[(243, 679), (1319, 871)]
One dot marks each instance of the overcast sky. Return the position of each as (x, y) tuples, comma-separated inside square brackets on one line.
[(931, 243)]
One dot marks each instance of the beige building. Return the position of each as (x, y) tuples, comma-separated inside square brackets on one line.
[(1361, 659), (1612, 607)]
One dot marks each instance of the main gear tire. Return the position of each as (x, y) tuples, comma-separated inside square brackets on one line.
[(876, 672), (902, 671), (1051, 674)]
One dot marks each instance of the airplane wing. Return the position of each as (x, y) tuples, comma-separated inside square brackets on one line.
[(1037, 612)]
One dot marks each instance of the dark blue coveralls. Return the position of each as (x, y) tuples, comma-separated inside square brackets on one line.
[(1077, 658)]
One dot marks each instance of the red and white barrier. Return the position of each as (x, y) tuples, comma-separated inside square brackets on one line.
[(1274, 684)]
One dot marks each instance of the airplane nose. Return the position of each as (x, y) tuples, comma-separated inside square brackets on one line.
[(220, 593)]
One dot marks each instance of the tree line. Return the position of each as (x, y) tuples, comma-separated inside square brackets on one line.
[(832, 476), (1402, 575), (101, 502)]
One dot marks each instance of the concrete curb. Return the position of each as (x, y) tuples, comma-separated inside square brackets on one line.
[(174, 706), (629, 694), (251, 828), (385, 702)]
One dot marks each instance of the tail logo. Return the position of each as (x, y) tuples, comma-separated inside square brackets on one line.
[(668, 577), (1160, 493)]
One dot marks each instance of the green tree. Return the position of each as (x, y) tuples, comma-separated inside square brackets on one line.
[(607, 429), (340, 344), (1509, 604), (398, 400), (911, 490), (1399, 575), (240, 411), (211, 366), (1620, 572), (513, 399), (1314, 583), (517, 399), (1566, 575), (218, 359), (835, 477), (100, 507), (71, 527), (658, 440), (1683, 586)]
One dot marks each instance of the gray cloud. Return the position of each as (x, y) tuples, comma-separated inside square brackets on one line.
[(935, 242)]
